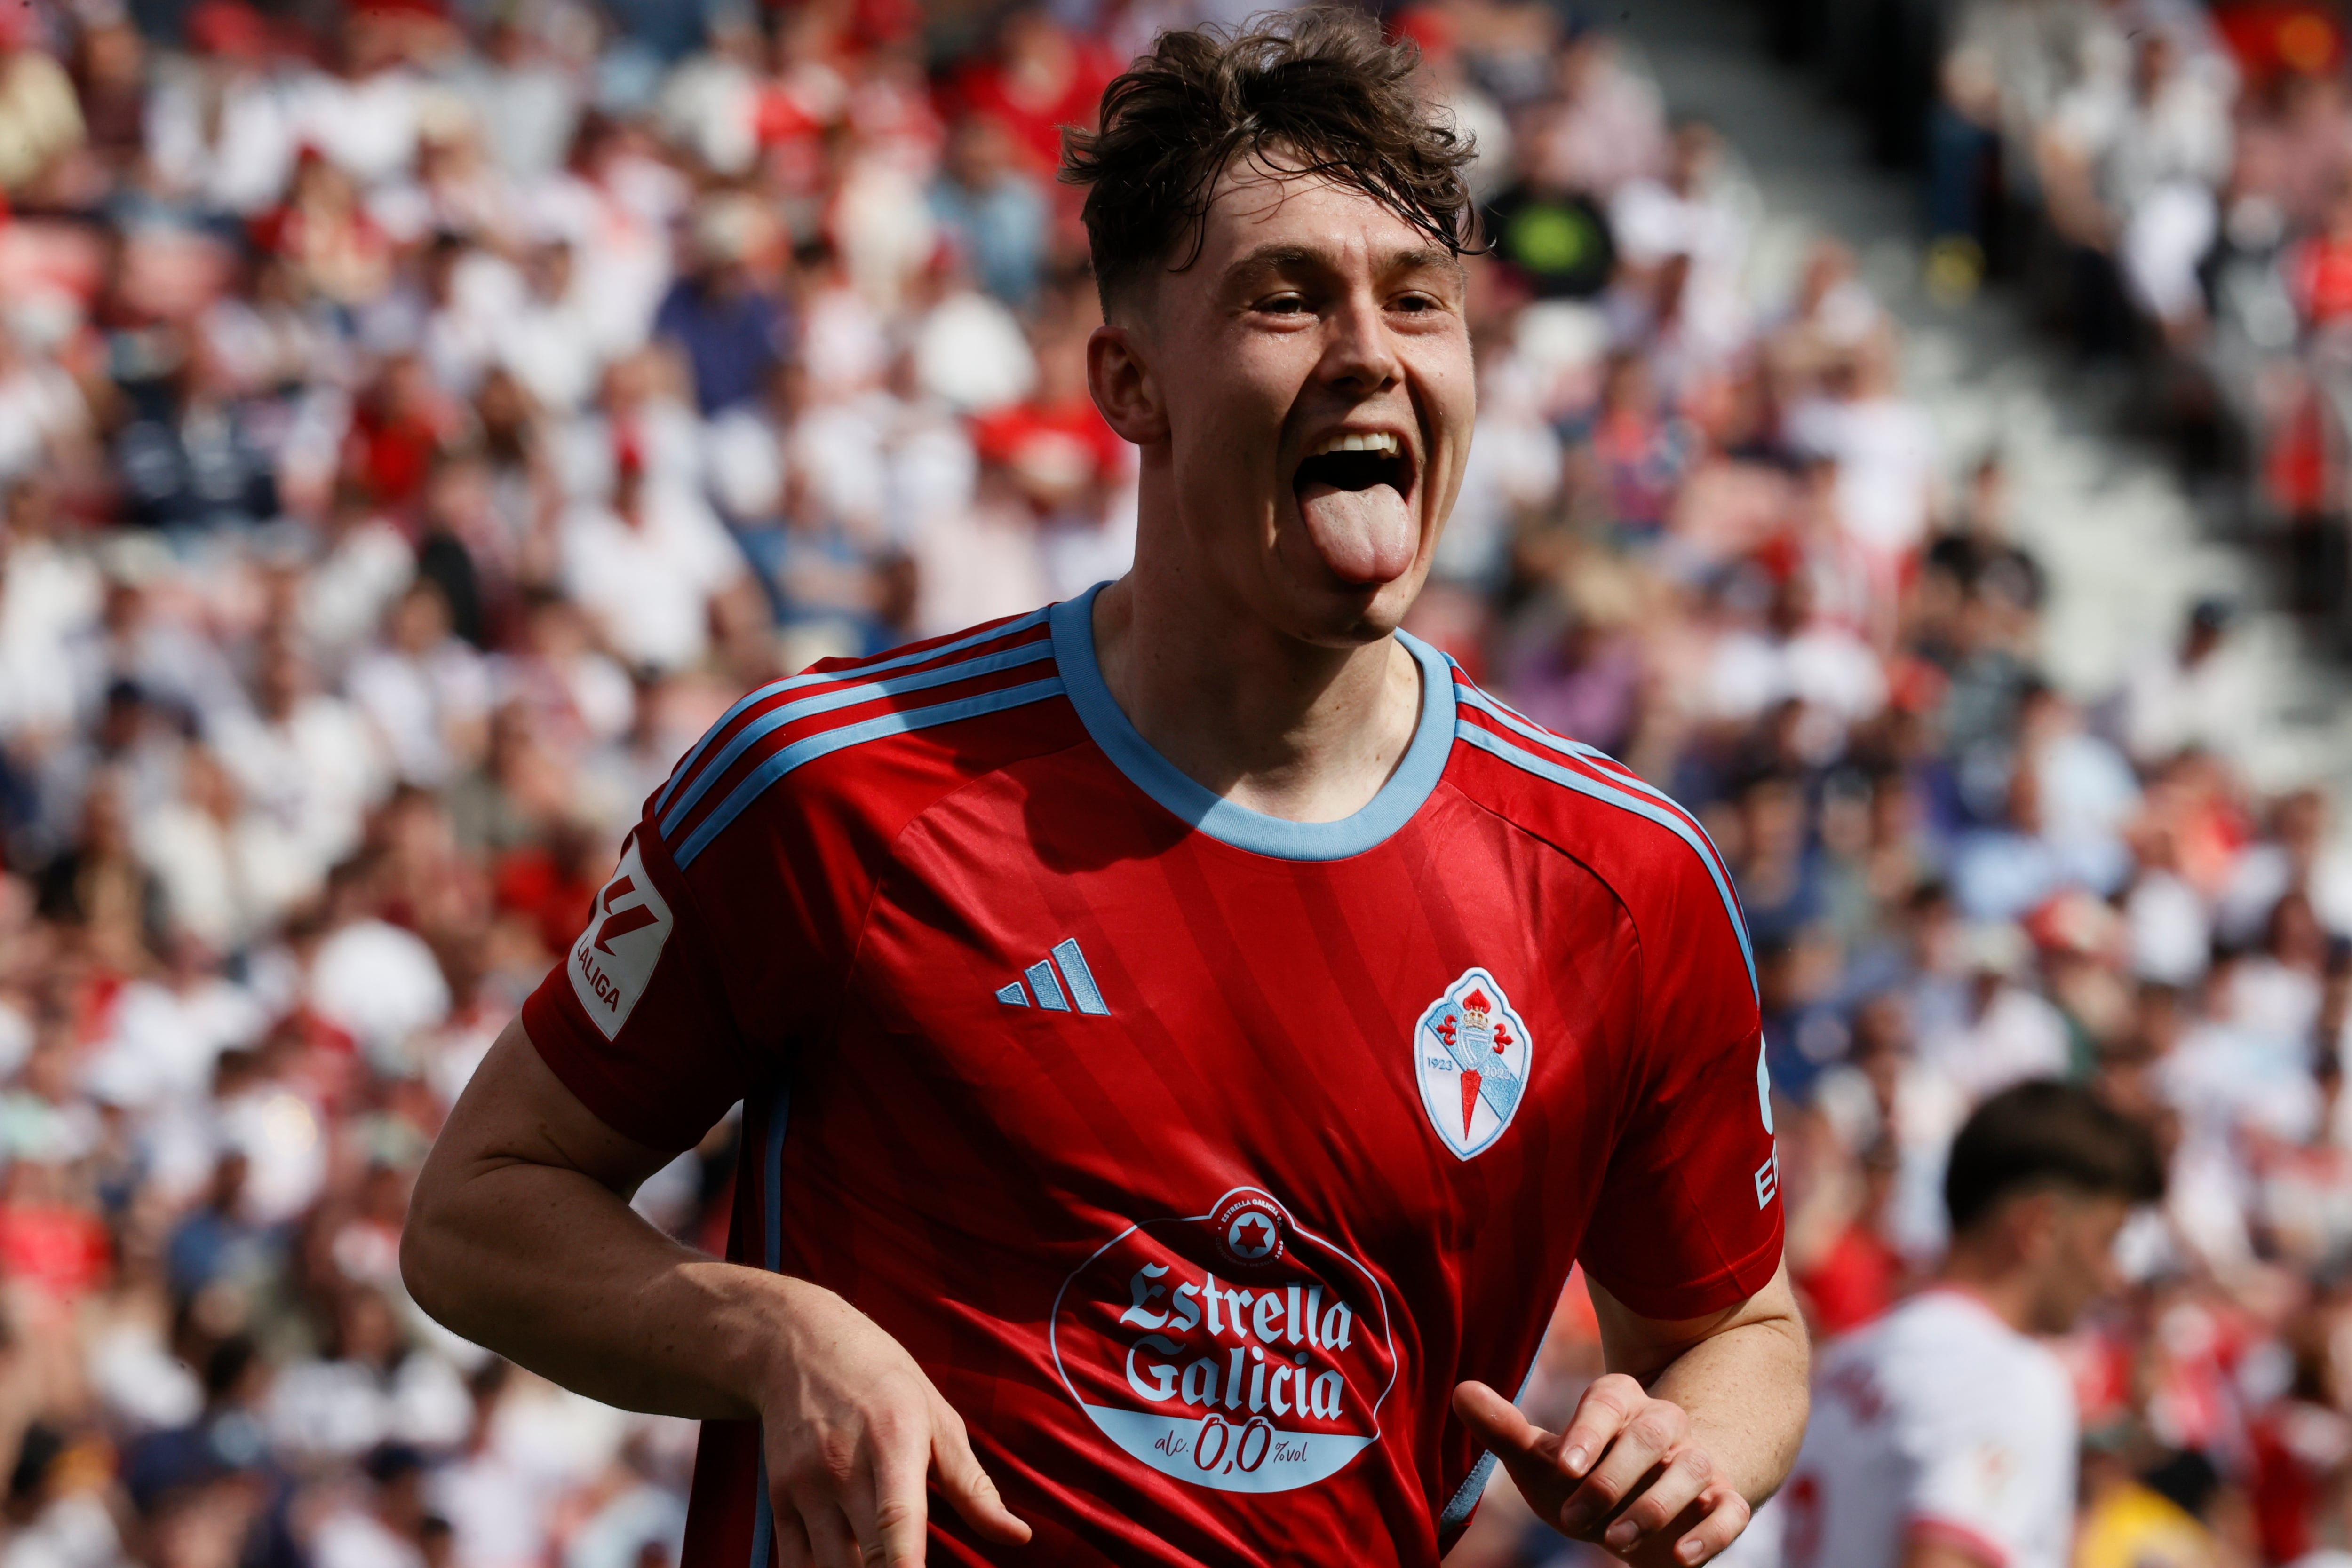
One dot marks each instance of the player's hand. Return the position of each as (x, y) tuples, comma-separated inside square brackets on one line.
[(854, 1429), (1627, 1473)]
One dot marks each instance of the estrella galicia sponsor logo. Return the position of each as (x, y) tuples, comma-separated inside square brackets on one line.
[(613, 959), (1233, 1349), (1472, 1054)]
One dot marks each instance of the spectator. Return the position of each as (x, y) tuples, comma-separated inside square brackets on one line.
[(2193, 696), (994, 209), (731, 330)]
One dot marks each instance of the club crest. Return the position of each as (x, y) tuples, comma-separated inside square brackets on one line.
[(1472, 1053)]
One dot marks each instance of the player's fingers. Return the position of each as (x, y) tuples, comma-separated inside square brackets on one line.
[(832, 1544), (1659, 1503), (1601, 1414), (793, 1550), (967, 1486), (1496, 1422), (1719, 1529), (1656, 1431), (886, 1507)]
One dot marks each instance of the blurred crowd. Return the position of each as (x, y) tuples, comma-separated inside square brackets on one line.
[(2175, 184), (419, 419)]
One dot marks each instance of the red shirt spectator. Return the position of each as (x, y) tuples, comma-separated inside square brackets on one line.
[(1040, 79)]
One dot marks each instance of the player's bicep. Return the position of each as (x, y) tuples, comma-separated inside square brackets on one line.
[(516, 1110)]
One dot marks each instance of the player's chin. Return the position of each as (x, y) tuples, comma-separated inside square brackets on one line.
[(1339, 614), (1341, 610)]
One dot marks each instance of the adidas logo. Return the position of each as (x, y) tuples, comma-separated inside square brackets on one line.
[(1042, 979)]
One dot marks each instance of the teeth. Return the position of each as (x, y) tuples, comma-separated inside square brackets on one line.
[(1384, 444)]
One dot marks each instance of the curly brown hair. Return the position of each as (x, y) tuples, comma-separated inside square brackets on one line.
[(1317, 91)]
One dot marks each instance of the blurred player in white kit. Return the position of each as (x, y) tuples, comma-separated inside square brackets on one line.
[(1944, 1434)]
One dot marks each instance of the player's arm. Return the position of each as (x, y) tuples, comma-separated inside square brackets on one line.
[(520, 1238), (1694, 1424)]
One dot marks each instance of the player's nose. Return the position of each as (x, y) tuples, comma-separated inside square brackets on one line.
[(1359, 351)]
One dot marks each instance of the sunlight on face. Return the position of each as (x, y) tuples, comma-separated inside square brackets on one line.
[(1314, 365)]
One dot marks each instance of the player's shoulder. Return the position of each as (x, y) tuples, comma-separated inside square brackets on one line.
[(1947, 1347), (1649, 851), (881, 738)]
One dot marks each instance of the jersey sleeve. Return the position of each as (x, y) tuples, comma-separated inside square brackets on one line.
[(1688, 1218), (1983, 1472), (636, 1020)]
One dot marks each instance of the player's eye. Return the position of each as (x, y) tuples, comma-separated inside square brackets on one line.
[(1417, 303), (1284, 304)]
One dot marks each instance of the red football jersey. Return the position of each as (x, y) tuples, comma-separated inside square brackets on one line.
[(1196, 1155)]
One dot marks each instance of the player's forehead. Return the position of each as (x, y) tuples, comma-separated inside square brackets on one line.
[(1267, 216)]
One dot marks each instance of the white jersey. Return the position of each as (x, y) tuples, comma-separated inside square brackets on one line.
[(1938, 1420)]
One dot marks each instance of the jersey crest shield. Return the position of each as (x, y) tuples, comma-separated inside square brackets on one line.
[(1472, 1052)]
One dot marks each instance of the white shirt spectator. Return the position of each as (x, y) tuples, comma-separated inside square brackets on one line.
[(2017, 1036), (972, 354), (838, 450), (845, 345), (551, 339), (366, 126), (2226, 1080), (1938, 1419), (346, 592), (349, 1538), (49, 602), (225, 136), (283, 1138), (225, 881), (2170, 706), (499, 1514), (76, 1531), (975, 565), (649, 583), (165, 1038), (381, 983), (39, 406), (425, 692), (1824, 667), (1514, 465), (313, 770), (1885, 453), (2170, 932)]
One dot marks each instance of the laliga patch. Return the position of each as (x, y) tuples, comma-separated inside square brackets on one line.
[(1472, 1054), (614, 959), (1232, 1349)]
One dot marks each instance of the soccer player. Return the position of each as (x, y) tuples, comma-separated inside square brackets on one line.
[(1944, 1434), (1187, 1034)]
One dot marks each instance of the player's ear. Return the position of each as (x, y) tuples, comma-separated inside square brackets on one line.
[(1119, 375), (2033, 1221)]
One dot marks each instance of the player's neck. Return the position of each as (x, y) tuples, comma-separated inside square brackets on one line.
[(1272, 724), (2006, 1293)]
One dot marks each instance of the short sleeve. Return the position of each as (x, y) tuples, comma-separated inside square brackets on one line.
[(1688, 1219), (635, 1020), (1995, 1466)]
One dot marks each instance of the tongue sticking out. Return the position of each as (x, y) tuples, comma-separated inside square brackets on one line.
[(1364, 535)]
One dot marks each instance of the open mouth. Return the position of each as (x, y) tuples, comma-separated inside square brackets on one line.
[(1353, 492), (1355, 462)]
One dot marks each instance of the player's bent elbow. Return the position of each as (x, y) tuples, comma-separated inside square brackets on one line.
[(425, 1249)]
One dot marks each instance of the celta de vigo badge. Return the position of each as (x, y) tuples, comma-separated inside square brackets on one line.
[(1472, 1052)]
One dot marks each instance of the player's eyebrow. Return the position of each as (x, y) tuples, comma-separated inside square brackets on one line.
[(1428, 259), (1285, 257)]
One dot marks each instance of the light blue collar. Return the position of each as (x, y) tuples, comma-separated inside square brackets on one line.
[(1400, 797)]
